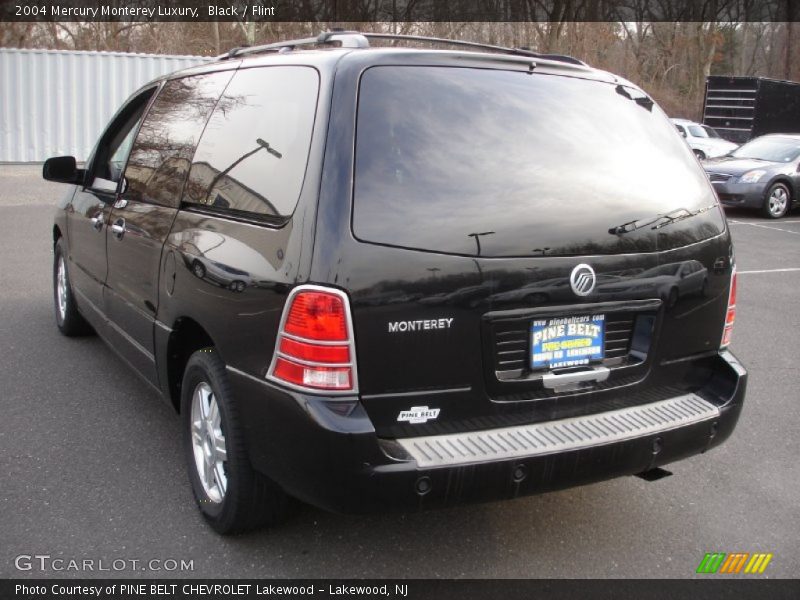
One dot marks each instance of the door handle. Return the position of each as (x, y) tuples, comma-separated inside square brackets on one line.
[(118, 228), (97, 222)]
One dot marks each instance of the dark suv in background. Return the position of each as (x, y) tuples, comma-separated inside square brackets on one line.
[(375, 278)]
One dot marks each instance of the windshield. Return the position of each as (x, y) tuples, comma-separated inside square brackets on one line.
[(773, 149), (504, 163), (701, 131)]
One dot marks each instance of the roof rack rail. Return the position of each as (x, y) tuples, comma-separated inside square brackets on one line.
[(348, 39), (500, 49), (357, 39)]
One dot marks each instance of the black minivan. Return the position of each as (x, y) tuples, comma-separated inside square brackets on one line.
[(396, 277)]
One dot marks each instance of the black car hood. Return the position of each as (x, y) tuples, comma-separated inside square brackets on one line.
[(737, 166)]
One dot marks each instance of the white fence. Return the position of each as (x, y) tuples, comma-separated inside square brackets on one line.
[(55, 102)]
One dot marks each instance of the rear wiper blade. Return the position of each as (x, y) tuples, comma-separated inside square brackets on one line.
[(632, 226), (680, 215), (643, 100), (659, 221)]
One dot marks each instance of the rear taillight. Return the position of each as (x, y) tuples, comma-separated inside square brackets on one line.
[(730, 315), (315, 350)]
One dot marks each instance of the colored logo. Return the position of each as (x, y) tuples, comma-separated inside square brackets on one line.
[(735, 563), (582, 280)]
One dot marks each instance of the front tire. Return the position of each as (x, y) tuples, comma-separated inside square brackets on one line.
[(198, 269), (699, 154), (231, 496), (672, 298), (777, 201), (69, 321)]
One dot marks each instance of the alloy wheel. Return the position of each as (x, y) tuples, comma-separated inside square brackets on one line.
[(208, 443), (61, 288), (778, 200)]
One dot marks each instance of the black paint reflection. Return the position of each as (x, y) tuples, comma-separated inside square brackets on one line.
[(221, 260), (670, 282), (508, 289), (556, 289), (517, 165)]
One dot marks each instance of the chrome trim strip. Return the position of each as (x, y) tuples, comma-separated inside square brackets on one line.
[(241, 373), (136, 345), (564, 435), (307, 363), (117, 329), (298, 338), (459, 390), (555, 380), (114, 349), (163, 326), (614, 306)]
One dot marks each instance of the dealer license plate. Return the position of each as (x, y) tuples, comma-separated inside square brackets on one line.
[(567, 341)]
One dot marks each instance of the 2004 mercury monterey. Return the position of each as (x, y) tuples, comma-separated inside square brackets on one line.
[(387, 277)]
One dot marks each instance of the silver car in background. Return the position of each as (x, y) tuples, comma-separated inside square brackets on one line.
[(761, 174)]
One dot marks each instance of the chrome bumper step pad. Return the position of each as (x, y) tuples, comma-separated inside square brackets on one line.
[(552, 437)]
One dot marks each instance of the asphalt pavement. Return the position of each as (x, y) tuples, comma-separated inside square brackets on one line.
[(91, 466)]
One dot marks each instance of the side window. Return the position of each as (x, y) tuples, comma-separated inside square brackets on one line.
[(113, 149), (697, 132), (117, 161), (162, 152), (253, 155)]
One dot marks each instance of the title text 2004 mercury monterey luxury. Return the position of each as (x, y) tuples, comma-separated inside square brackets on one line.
[(375, 278)]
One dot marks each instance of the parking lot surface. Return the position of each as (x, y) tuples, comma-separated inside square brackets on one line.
[(91, 465)]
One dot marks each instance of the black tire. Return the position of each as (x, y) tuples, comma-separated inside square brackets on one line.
[(672, 298), (699, 154), (772, 206), (69, 321), (198, 269), (250, 500)]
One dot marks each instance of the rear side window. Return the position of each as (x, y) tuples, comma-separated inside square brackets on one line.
[(505, 163), (163, 149), (254, 152)]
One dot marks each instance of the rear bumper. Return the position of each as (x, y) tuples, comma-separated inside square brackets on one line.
[(337, 462)]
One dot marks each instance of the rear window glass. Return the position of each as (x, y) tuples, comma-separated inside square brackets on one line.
[(254, 151), (505, 163)]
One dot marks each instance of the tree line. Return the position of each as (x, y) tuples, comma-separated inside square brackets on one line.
[(668, 59)]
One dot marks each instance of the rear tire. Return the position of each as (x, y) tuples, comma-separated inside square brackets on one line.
[(699, 154), (69, 321), (777, 201), (231, 496)]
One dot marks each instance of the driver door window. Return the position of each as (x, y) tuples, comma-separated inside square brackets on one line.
[(116, 163), (113, 150)]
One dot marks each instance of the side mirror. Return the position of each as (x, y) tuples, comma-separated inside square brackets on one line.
[(62, 169)]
